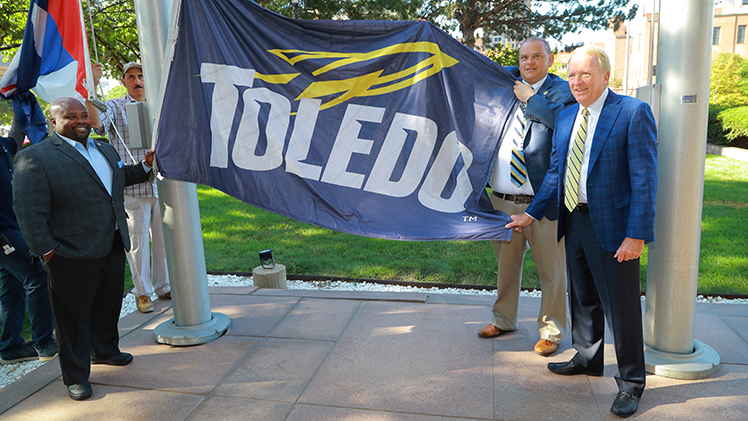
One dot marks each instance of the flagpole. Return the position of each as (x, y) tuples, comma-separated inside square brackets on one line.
[(96, 53), (193, 321), (89, 80)]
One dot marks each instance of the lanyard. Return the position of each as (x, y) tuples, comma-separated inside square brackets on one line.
[(6, 156)]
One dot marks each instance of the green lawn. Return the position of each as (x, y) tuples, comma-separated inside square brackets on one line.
[(723, 263), (234, 232)]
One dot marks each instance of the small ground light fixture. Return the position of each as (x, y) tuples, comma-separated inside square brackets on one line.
[(266, 258)]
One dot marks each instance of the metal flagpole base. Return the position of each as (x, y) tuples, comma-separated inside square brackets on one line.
[(171, 334), (701, 363)]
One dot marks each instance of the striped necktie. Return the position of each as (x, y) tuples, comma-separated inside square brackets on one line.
[(518, 172), (571, 196)]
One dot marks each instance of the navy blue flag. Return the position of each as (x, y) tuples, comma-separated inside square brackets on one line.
[(374, 128)]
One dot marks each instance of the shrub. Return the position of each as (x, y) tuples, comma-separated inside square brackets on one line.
[(727, 124), (729, 82), (714, 131), (734, 122)]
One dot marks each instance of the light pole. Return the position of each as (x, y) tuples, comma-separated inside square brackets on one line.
[(295, 8)]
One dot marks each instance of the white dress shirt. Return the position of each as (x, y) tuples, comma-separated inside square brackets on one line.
[(594, 116), (94, 157), (500, 180)]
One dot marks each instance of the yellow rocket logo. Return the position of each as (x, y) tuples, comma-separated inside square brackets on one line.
[(370, 84)]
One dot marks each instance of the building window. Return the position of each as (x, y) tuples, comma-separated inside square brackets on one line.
[(715, 36), (745, 2), (741, 33)]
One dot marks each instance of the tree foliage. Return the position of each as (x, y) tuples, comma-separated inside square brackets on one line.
[(6, 113), (115, 29), (118, 91), (504, 55), (116, 34), (728, 86), (113, 26), (517, 20), (347, 9), (13, 15)]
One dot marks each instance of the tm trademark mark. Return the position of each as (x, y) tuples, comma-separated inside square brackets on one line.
[(470, 219)]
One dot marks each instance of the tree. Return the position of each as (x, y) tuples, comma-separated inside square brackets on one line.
[(116, 34), (116, 37), (6, 113), (728, 86), (518, 20), (118, 91), (347, 9), (114, 27), (559, 68), (504, 55), (12, 23)]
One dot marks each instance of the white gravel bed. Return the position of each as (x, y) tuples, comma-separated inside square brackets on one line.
[(12, 372)]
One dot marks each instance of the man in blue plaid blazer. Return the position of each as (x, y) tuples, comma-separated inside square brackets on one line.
[(606, 224)]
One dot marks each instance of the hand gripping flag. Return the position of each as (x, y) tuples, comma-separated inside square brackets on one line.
[(381, 129), (53, 61)]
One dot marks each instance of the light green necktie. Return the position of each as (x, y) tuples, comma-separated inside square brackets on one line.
[(571, 196)]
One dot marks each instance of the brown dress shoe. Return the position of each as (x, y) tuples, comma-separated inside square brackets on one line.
[(144, 303), (545, 347), (490, 331)]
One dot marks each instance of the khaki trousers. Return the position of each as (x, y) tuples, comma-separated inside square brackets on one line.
[(550, 259)]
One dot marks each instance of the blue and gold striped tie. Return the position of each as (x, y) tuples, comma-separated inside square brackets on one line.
[(571, 196), (518, 172)]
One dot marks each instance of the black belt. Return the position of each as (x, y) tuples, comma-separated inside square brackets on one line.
[(583, 207), (516, 198)]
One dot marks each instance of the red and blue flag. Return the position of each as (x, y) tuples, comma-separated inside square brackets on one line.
[(53, 61)]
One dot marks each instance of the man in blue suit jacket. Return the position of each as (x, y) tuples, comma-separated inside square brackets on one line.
[(606, 186), (542, 97)]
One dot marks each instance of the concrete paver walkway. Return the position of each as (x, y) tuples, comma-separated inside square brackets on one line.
[(329, 355)]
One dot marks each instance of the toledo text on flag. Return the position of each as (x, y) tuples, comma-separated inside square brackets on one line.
[(381, 129)]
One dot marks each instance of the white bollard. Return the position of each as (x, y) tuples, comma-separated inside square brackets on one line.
[(274, 277)]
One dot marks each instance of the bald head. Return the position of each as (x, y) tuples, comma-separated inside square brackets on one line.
[(58, 105), (70, 119)]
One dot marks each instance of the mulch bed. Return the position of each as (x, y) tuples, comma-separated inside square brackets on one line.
[(741, 142)]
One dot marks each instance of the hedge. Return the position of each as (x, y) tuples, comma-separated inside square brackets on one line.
[(727, 124)]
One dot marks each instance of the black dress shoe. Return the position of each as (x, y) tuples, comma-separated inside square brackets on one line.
[(80, 391), (122, 359), (625, 404), (570, 368)]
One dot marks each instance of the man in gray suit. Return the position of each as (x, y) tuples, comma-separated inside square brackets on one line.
[(524, 157), (68, 199)]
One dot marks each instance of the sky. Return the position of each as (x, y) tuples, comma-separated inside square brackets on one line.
[(587, 35)]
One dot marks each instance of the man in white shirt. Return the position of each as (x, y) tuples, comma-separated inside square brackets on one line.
[(524, 158), (141, 200)]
